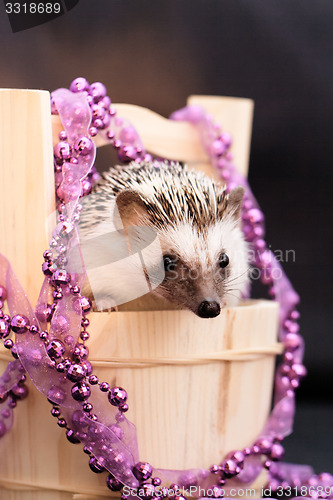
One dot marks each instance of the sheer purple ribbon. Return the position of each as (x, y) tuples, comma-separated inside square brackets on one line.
[(116, 450)]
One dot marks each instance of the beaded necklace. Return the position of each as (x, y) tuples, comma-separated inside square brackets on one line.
[(56, 358)]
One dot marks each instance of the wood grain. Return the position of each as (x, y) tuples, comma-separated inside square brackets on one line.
[(186, 416), (26, 182)]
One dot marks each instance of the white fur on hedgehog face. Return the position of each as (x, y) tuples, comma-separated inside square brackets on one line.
[(196, 278), (199, 254)]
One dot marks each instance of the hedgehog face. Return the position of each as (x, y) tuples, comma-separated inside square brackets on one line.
[(205, 270)]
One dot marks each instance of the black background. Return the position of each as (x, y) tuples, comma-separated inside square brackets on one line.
[(155, 53)]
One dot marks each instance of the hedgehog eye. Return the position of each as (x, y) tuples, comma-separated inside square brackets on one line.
[(223, 260), (169, 262)]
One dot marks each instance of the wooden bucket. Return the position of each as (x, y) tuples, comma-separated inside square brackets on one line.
[(197, 388)]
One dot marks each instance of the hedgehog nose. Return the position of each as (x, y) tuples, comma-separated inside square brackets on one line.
[(209, 309)]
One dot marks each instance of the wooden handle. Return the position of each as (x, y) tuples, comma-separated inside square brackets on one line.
[(180, 140), (26, 182)]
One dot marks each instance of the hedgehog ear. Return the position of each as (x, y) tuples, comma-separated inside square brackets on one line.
[(131, 210), (235, 198)]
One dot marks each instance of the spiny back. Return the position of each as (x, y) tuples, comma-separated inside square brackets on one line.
[(170, 192)]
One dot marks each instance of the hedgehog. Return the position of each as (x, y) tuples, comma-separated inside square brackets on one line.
[(159, 229)]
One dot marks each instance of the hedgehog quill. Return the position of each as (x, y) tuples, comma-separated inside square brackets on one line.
[(199, 260)]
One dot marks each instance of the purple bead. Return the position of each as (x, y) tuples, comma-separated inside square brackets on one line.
[(85, 304), (326, 478), (104, 386), (291, 326), (84, 336), (142, 471), (105, 102), (230, 468), (215, 491), (97, 111), (87, 366), (62, 135), (127, 153), (64, 229), (123, 408), (226, 138), (56, 395), (147, 491), (225, 174), (4, 329), (3, 293), (55, 412), (277, 451), (19, 324), (19, 392), (76, 373), (87, 407), (60, 367), (12, 403), (98, 123), (254, 215), (86, 187), (110, 135), (298, 371), (75, 289), (72, 437), (156, 481), (265, 445), (294, 315), (83, 146), (43, 335), (55, 349), (237, 456), (117, 397), (5, 413), (15, 352), (288, 357), (93, 380), (80, 351), (217, 148), (247, 451), (93, 131), (79, 85), (113, 484), (97, 90), (62, 151), (81, 391), (61, 277), (8, 344), (49, 268), (215, 469), (95, 466)]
